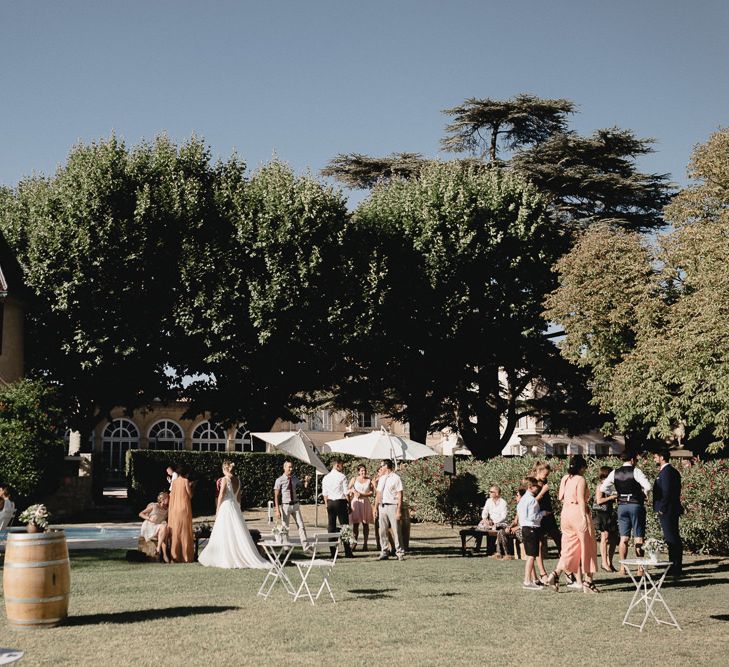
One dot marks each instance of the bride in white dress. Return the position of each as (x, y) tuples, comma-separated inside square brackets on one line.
[(230, 544)]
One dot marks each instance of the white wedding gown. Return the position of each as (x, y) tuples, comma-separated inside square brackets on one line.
[(230, 544)]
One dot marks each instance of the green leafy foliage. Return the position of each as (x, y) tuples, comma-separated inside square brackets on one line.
[(146, 475), (649, 322), (257, 325), (451, 293), (705, 494), (31, 442), (101, 243)]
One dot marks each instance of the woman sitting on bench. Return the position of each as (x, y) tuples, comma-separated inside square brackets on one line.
[(154, 526)]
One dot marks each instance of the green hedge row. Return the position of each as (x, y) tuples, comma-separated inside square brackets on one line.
[(433, 495), (146, 476), (705, 493)]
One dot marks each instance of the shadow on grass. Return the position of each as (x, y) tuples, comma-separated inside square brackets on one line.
[(720, 617), (142, 615), (372, 593)]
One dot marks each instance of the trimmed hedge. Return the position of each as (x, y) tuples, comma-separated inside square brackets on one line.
[(432, 495), (146, 476), (705, 494)]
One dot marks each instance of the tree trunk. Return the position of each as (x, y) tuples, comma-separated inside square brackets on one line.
[(484, 437), (494, 140), (419, 425)]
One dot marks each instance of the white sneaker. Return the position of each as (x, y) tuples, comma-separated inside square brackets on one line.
[(531, 586), (575, 584)]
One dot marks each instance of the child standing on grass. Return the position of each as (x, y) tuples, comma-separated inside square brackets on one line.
[(530, 519)]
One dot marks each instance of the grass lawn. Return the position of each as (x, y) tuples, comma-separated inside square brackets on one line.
[(435, 608)]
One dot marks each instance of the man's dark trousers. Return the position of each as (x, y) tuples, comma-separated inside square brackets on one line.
[(672, 537), (338, 510), (667, 505)]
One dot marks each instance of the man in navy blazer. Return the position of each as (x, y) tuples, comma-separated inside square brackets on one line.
[(667, 506)]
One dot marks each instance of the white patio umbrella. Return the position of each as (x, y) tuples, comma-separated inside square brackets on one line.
[(294, 444), (380, 445)]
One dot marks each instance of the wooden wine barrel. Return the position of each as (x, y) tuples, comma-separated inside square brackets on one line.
[(36, 579)]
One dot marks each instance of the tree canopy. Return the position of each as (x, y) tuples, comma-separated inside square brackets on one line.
[(482, 126), (651, 322), (459, 301), (257, 318), (100, 243)]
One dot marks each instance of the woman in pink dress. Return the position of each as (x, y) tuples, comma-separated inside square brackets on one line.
[(361, 490), (579, 546)]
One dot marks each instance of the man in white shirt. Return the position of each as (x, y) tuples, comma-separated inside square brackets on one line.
[(493, 517), (632, 487), (388, 507), (335, 489)]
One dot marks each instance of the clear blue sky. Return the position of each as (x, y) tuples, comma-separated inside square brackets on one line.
[(307, 79)]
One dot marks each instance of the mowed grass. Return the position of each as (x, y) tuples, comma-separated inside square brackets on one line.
[(435, 608)]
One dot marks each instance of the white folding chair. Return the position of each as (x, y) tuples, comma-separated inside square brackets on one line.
[(324, 542)]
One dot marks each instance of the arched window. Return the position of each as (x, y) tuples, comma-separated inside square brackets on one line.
[(118, 437), (209, 437), (367, 420), (243, 441), (321, 420), (166, 434), (560, 449), (602, 449)]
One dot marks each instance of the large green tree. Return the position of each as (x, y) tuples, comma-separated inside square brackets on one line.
[(460, 299), (101, 244), (651, 322), (583, 180), (258, 317)]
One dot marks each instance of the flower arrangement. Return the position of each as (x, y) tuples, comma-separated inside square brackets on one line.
[(280, 532), (346, 535), (35, 515), (653, 547)]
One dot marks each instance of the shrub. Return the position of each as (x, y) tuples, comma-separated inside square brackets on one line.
[(31, 441), (705, 494), (146, 475)]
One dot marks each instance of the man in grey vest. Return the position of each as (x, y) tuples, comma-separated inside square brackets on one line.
[(286, 500), (632, 487)]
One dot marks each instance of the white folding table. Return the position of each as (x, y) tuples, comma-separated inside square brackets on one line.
[(648, 590), (278, 553)]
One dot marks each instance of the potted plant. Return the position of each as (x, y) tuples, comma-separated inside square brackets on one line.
[(36, 516)]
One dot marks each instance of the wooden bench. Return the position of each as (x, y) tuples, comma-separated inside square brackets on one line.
[(478, 535)]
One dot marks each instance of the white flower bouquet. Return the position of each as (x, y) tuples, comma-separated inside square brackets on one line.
[(653, 548), (346, 535), (280, 532), (35, 515)]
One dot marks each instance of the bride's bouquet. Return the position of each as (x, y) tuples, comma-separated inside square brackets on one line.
[(346, 535)]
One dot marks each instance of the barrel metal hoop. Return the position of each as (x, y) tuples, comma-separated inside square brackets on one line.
[(39, 621), (16, 543), (55, 598), (43, 563)]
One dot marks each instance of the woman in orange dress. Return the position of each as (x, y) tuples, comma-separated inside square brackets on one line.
[(179, 519), (579, 546)]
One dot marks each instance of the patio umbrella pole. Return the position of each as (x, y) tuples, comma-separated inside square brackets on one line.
[(316, 498)]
